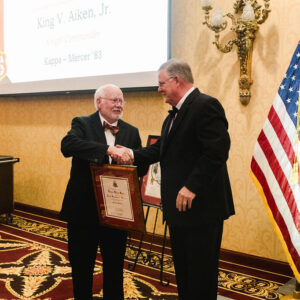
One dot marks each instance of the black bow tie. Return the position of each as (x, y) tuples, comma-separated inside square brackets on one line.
[(173, 111)]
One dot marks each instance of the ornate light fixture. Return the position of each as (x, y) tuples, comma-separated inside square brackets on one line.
[(245, 24)]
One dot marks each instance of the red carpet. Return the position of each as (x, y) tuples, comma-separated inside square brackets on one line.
[(34, 265)]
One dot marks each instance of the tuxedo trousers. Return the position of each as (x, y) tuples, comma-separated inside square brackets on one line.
[(83, 242), (196, 259)]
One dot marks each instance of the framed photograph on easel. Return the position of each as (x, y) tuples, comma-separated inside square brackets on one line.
[(150, 188)]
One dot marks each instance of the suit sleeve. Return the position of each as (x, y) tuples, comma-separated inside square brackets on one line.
[(77, 144), (141, 168), (148, 155), (213, 137)]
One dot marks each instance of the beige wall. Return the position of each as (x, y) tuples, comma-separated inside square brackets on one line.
[(31, 128)]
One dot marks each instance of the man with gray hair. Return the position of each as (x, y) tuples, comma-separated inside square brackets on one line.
[(92, 139), (195, 189)]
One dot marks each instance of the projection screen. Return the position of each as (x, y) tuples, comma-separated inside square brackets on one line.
[(64, 46)]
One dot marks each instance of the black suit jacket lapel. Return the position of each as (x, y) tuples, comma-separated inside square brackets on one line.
[(178, 120), (121, 135), (98, 128), (98, 131), (164, 134)]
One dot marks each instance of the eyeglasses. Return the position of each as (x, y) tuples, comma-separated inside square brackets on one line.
[(115, 101), (162, 83)]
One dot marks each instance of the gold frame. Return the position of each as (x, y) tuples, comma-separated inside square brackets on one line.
[(128, 173)]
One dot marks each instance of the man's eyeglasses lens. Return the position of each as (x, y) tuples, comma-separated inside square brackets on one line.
[(116, 101), (160, 84)]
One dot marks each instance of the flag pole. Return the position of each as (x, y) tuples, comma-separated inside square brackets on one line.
[(296, 293)]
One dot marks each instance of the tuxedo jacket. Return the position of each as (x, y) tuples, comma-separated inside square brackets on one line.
[(193, 154), (86, 143)]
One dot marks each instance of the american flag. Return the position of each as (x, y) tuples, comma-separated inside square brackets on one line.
[(276, 155)]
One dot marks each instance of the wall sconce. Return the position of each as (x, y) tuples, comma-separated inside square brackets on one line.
[(245, 26)]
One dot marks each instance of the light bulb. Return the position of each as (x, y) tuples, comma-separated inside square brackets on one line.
[(248, 13), (206, 3), (217, 17)]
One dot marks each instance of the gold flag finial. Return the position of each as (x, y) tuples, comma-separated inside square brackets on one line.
[(295, 173)]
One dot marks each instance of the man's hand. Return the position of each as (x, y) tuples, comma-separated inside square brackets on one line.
[(120, 154), (184, 199)]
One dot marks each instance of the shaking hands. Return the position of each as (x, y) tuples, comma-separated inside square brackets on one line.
[(121, 154)]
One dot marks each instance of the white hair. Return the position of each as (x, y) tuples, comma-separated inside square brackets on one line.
[(101, 92)]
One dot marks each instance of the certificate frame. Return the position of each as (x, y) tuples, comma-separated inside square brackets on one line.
[(118, 197), (149, 198)]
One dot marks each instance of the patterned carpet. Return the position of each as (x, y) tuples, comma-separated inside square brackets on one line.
[(34, 265)]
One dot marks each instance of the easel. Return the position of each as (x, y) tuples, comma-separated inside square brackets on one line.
[(154, 202), (148, 256)]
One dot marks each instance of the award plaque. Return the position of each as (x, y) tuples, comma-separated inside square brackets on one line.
[(118, 197)]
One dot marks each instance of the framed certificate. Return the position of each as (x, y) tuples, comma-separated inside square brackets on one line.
[(150, 188), (118, 197)]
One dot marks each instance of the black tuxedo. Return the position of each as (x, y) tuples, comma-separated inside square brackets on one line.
[(194, 154), (86, 143)]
